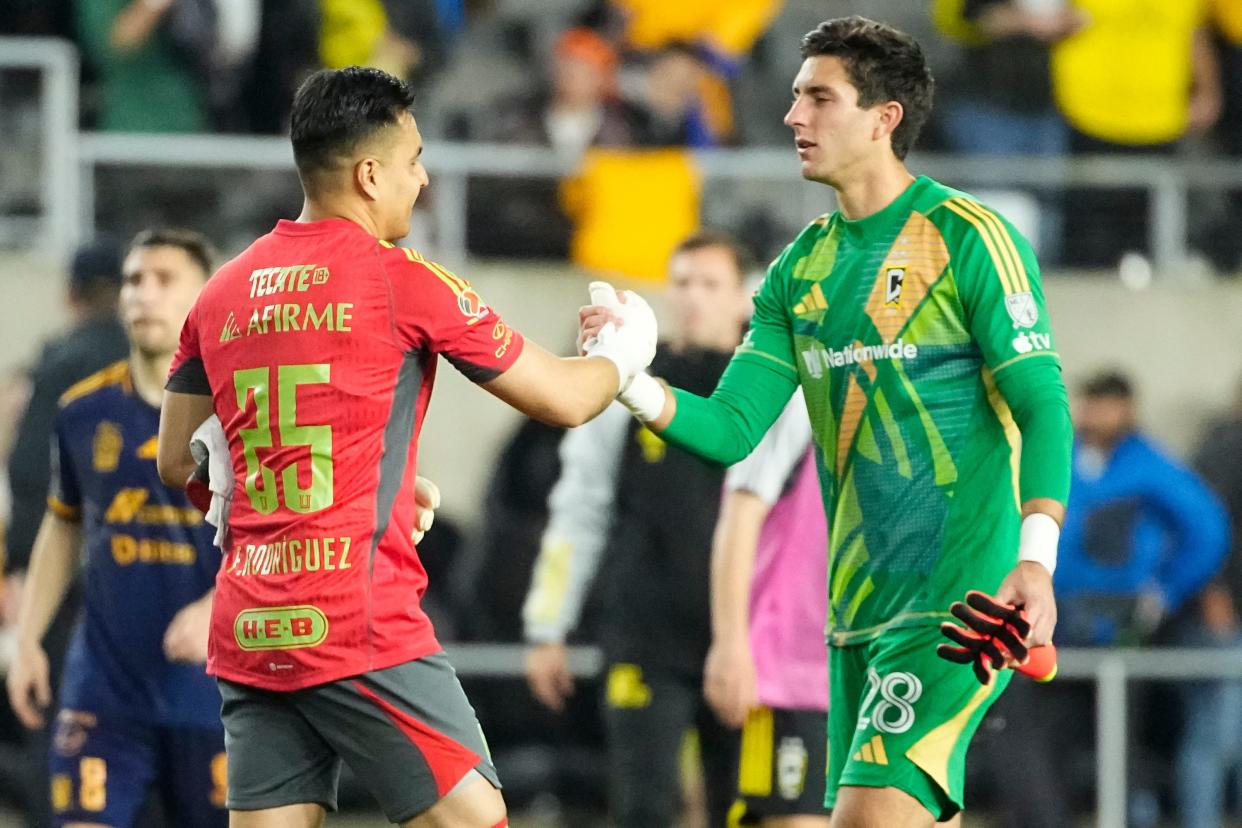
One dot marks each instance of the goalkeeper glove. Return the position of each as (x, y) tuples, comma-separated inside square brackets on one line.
[(994, 638)]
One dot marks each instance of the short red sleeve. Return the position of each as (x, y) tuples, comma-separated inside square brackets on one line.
[(187, 375), (440, 312)]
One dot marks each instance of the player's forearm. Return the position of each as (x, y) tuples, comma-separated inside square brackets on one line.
[(52, 569), (1045, 506), (1036, 397), (733, 559), (727, 426), (560, 391)]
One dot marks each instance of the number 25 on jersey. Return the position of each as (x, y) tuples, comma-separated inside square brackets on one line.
[(256, 383)]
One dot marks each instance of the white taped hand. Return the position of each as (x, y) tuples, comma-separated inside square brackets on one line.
[(630, 343), (426, 501)]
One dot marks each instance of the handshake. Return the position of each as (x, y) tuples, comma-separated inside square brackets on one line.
[(621, 327)]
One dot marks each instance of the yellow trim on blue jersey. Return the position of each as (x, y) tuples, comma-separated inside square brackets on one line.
[(63, 510), (117, 372)]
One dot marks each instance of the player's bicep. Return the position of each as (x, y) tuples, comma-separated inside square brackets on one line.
[(180, 415), (1000, 288), (64, 494), (187, 374)]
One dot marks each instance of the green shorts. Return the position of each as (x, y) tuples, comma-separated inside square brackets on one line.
[(902, 717)]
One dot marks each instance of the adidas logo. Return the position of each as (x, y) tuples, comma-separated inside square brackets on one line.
[(873, 752), (231, 330), (812, 303)]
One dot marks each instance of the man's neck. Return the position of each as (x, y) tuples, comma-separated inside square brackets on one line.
[(871, 190), (149, 372), (321, 210)]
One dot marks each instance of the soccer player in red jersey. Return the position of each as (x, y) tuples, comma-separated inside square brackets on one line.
[(317, 347)]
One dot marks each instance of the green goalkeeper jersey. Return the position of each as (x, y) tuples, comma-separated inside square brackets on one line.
[(898, 326)]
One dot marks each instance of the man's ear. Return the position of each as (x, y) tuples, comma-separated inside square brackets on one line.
[(366, 177), (891, 114)]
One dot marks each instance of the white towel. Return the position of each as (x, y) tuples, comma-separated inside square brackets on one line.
[(209, 442)]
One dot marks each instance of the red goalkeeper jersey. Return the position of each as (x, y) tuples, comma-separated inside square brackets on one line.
[(318, 346)]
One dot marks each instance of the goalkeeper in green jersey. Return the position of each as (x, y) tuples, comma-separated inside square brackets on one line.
[(914, 320)]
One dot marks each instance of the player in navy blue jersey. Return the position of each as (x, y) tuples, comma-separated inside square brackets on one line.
[(138, 712)]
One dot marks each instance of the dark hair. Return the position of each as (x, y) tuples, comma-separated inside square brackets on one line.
[(336, 109), (197, 246), (701, 239), (95, 273), (883, 64), (1108, 384)]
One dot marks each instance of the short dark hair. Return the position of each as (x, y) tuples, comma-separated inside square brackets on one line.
[(197, 246), (701, 239), (336, 109), (883, 64), (1111, 384)]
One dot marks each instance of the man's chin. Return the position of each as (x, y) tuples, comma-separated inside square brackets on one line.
[(151, 350)]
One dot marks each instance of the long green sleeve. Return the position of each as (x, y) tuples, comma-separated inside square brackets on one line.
[(1037, 398), (727, 426)]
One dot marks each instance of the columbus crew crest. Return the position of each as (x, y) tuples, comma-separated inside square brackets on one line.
[(894, 280)]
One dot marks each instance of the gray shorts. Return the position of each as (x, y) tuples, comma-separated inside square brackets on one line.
[(407, 732)]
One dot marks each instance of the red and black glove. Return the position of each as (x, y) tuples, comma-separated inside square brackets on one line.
[(994, 638)]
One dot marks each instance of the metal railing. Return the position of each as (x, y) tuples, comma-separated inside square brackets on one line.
[(70, 158), (1167, 181), (1110, 669), (57, 63)]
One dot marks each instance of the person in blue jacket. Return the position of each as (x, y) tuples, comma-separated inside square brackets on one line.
[(1143, 533)]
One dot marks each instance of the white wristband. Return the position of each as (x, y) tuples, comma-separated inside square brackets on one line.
[(1037, 540), (644, 397)]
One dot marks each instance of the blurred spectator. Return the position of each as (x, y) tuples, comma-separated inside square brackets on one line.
[(578, 108), (668, 109), (646, 512), (1223, 242), (720, 35), (619, 196), (1143, 532), (1142, 535), (493, 589), (287, 51), (1211, 745), (15, 779), (95, 341), (510, 216), (228, 33), (148, 81), (37, 17), (403, 37), (1001, 100), (1134, 80)]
